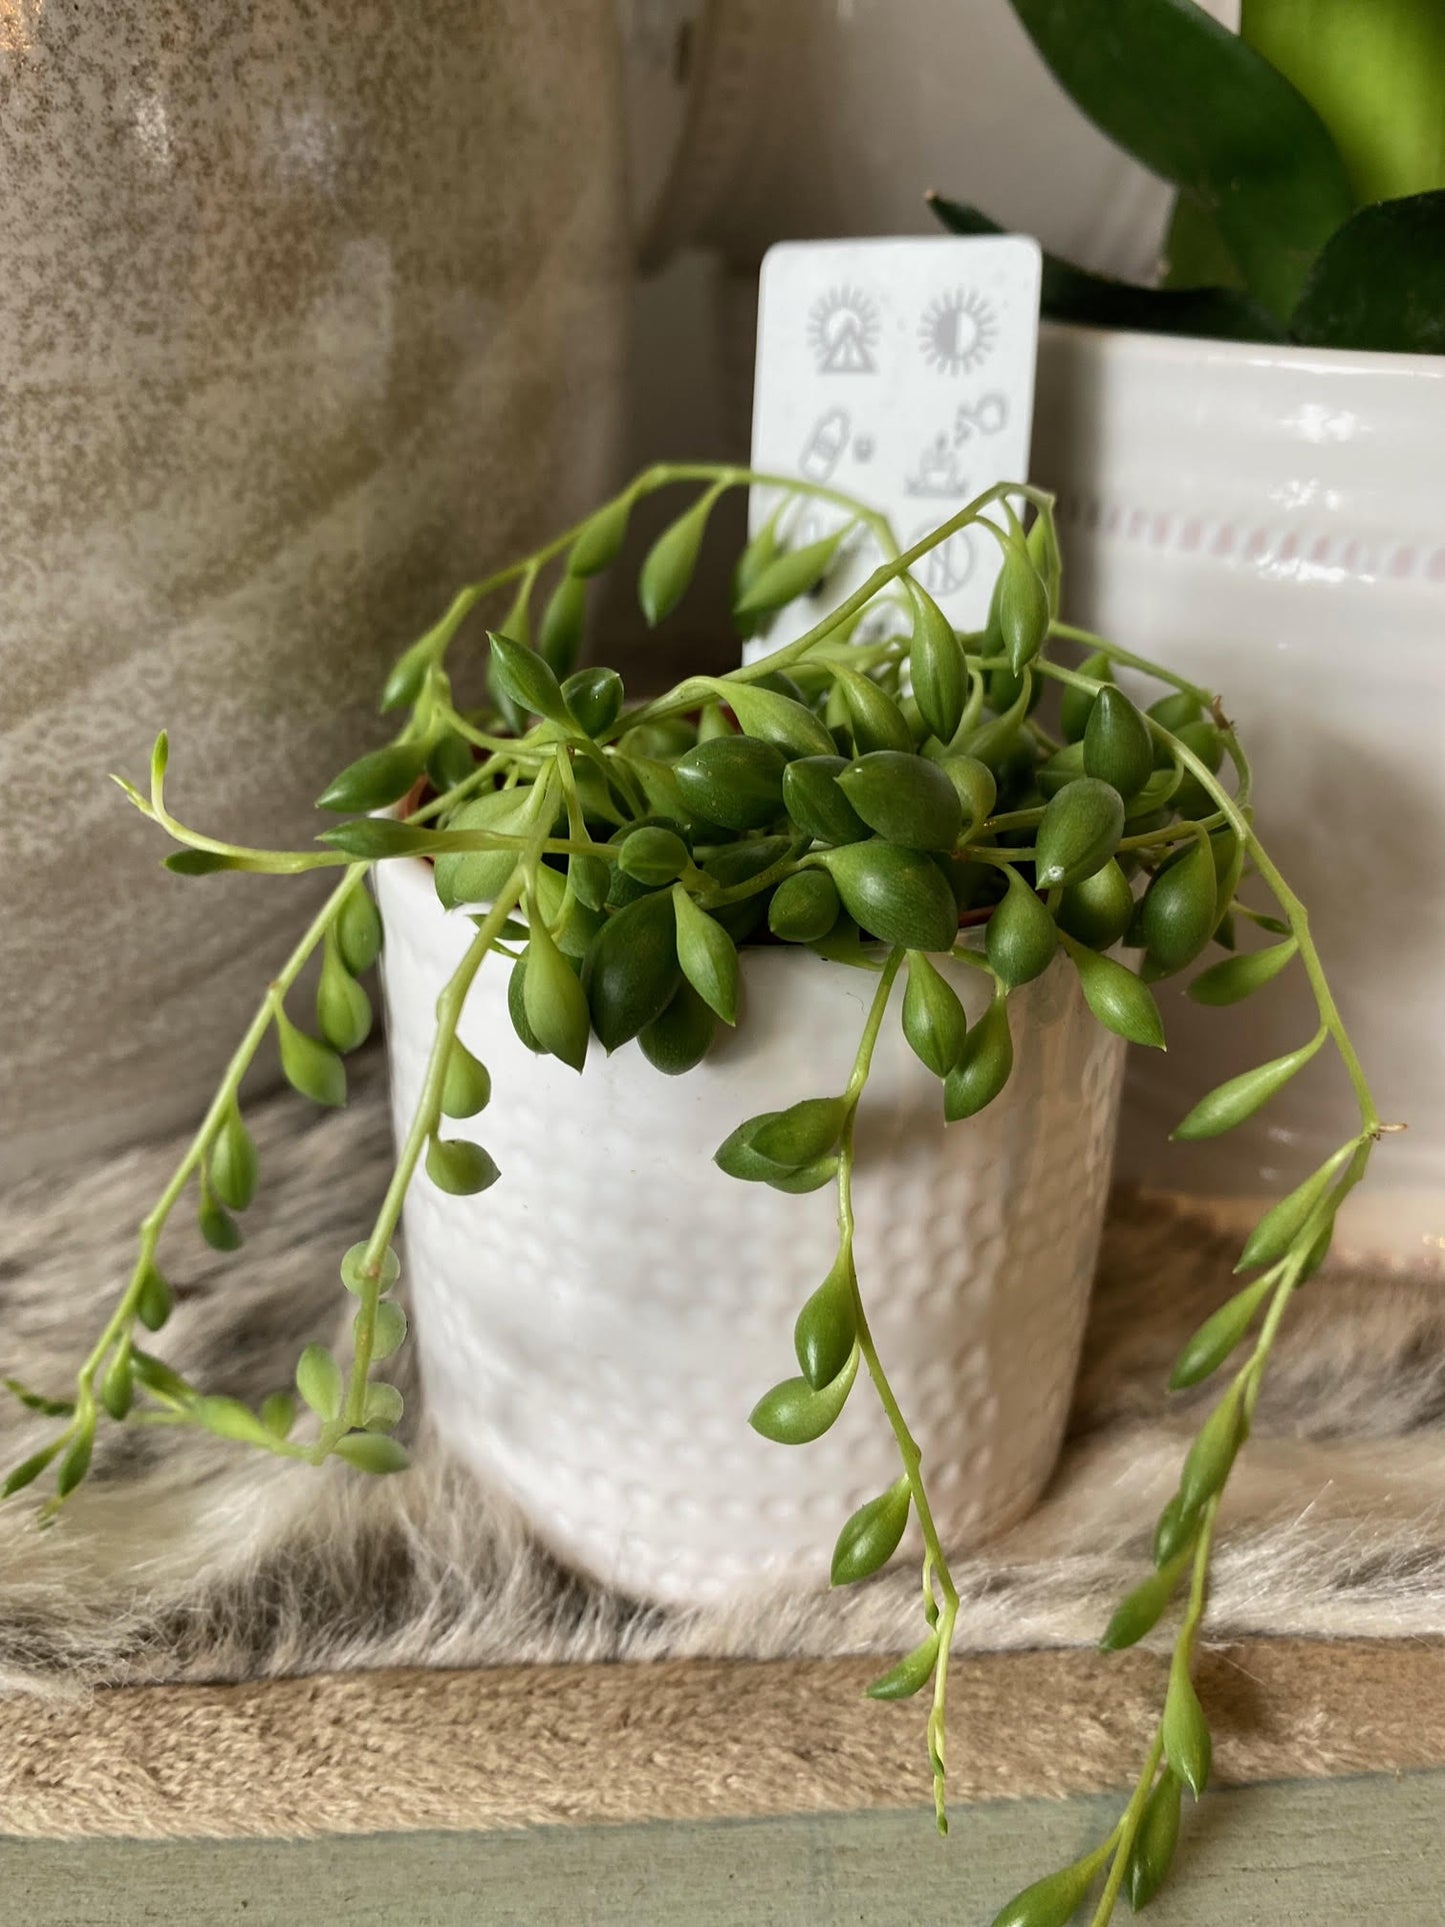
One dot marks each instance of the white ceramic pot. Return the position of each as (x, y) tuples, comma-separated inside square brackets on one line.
[(595, 1329), (1271, 521)]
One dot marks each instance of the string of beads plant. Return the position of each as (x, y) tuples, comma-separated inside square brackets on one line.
[(882, 789)]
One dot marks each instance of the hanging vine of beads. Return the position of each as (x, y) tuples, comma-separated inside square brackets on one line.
[(873, 790)]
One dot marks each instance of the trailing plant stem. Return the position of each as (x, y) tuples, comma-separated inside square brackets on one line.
[(154, 1221), (935, 1559)]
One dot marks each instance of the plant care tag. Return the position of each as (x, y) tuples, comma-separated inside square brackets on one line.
[(900, 372)]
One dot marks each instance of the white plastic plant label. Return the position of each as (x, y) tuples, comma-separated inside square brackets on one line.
[(900, 372)]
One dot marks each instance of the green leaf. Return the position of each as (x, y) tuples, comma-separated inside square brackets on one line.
[(1052, 1901), (354, 1273), (407, 674), (870, 1538), (933, 1018), (898, 896), (310, 1067), (632, 972), (815, 802), (559, 634), (910, 1675), (1200, 108), (553, 997), (984, 1064), (1020, 938), (37, 1402), (1078, 833), (757, 554), (793, 1413), (200, 863), (1217, 1337), (1154, 1844), (1117, 997), (775, 718), (358, 930), (600, 538), (1069, 293), (1284, 1221), (525, 679), (1099, 910), (827, 1327), (708, 956), (976, 785), (459, 1167), (1174, 1531), (160, 759), (788, 575), (373, 838), (874, 718), (904, 798), (467, 1087), (478, 876), (343, 1009), (1076, 705), (383, 1407), (29, 1470), (372, 1452), (937, 666), (735, 781), (801, 1133), (278, 1414), (158, 1377), (228, 1418), (1237, 977), (1140, 1612), (1379, 282), (682, 1036), (1177, 915), (1042, 543), (652, 855), (217, 1226), (389, 1331), (804, 907), (1186, 1731), (373, 781), (668, 566), (595, 697), (449, 762), (1117, 745), (1023, 606), (1240, 1097), (153, 1299), (1207, 1464), (76, 1460), (319, 1381)]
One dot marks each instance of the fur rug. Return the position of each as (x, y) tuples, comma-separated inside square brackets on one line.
[(184, 1558)]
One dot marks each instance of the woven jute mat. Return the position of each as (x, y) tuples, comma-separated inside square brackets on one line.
[(510, 1746)]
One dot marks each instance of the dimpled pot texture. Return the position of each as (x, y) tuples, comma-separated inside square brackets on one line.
[(306, 313), (1271, 523), (596, 1327)]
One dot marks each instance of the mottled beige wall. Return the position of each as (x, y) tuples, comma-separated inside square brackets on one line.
[(308, 309)]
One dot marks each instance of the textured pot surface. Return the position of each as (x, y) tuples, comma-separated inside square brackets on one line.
[(595, 1329), (305, 314), (1271, 521)]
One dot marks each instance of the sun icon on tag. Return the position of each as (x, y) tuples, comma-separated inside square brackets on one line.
[(843, 333), (957, 332)]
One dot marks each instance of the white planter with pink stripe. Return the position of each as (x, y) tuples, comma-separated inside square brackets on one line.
[(1271, 522)]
